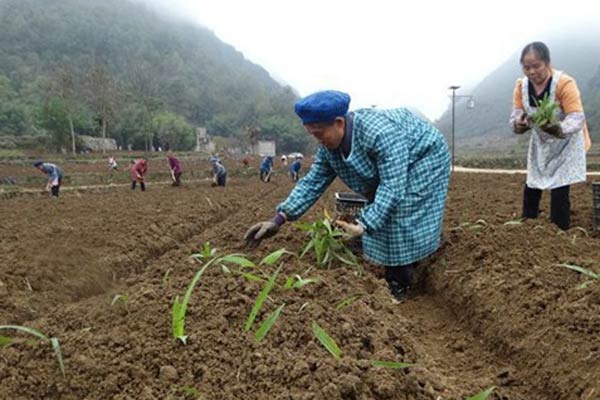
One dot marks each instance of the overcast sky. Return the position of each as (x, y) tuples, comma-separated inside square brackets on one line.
[(384, 53)]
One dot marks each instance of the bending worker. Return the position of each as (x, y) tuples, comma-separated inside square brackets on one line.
[(266, 168), (55, 176), (219, 172), (295, 169), (137, 173), (175, 168), (399, 162)]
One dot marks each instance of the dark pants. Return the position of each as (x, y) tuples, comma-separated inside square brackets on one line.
[(142, 186), (401, 276), (177, 176), (264, 176), (56, 189), (560, 205), (221, 180)]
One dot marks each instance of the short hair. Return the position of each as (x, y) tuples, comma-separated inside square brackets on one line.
[(539, 48)]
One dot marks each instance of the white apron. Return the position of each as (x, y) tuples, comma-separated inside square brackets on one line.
[(553, 162)]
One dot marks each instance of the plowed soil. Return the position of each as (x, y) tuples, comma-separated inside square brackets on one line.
[(492, 308)]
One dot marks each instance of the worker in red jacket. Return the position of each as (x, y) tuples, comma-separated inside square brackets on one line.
[(137, 172)]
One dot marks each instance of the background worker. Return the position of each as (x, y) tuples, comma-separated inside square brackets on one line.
[(112, 164), (284, 161), (295, 169), (176, 170), (266, 168), (219, 172), (55, 176), (399, 162), (137, 173)]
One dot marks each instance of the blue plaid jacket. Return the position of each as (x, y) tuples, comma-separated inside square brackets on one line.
[(402, 165)]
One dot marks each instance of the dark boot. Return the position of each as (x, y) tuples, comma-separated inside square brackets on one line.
[(399, 280)]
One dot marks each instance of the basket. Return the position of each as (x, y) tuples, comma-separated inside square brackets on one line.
[(349, 203), (596, 198), (348, 206)]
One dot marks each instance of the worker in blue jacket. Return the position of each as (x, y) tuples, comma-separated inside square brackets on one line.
[(399, 162), (295, 169), (55, 176), (219, 172), (266, 168)]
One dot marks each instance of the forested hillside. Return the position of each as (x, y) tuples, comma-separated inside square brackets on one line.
[(118, 69)]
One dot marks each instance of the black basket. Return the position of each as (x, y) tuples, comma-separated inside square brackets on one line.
[(596, 197), (348, 206), (349, 203)]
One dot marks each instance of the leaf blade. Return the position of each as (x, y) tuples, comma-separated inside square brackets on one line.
[(326, 341)]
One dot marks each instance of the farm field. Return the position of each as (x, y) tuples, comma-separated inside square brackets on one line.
[(493, 307)]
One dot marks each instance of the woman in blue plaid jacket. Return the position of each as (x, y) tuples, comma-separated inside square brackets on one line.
[(399, 162)]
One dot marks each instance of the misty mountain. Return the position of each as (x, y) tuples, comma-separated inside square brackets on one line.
[(577, 54), (153, 64)]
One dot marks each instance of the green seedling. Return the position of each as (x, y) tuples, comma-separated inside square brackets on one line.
[(578, 229), (296, 282), (479, 224), (347, 302), (5, 341), (208, 256), (391, 364), (483, 395), (264, 293), (326, 340), (119, 297), (238, 260), (206, 253), (545, 113), (271, 259), (179, 309), (52, 340), (582, 230), (268, 324), (251, 277), (584, 271), (166, 275), (191, 391), (514, 222), (327, 244)]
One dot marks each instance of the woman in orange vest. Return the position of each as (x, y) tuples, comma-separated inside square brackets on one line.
[(556, 157)]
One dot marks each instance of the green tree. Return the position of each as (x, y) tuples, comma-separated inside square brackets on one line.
[(172, 131), (54, 119), (13, 114)]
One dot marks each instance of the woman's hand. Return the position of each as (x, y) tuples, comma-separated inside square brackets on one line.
[(554, 130), (354, 230), (522, 124)]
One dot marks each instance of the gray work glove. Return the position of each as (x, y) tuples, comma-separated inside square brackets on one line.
[(554, 130), (260, 231)]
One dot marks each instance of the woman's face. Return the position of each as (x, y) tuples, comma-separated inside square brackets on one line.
[(534, 68), (329, 136)]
